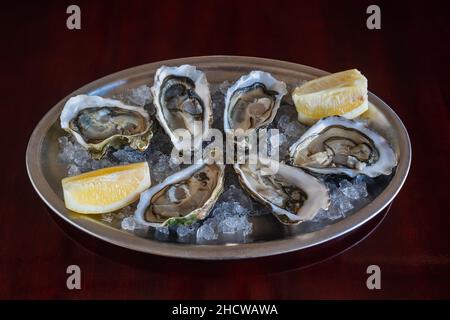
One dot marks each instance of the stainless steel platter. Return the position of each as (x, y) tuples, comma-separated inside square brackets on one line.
[(46, 172)]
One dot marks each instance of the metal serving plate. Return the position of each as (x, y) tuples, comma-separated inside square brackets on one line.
[(46, 172)]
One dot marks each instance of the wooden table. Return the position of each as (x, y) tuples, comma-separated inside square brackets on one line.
[(406, 63)]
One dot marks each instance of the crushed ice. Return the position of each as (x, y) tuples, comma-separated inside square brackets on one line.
[(290, 130), (139, 96), (345, 195), (77, 158), (230, 216), (162, 166)]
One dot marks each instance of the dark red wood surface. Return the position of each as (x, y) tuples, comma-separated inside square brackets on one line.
[(406, 62)]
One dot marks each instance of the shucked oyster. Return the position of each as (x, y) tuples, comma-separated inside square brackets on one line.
[(293, 195), (253, 101), (336, 145), (183, 197), (98, 123), (183, 101)]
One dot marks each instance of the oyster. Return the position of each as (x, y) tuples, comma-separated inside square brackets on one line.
[(253, 101), (182, 198), (183, 101), (336, 145), (293, 195), (98, 123)]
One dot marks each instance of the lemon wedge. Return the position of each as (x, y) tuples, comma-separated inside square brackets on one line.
[(342, 93), (107, 189)]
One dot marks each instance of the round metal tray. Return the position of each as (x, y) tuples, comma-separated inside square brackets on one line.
[(46, 172)]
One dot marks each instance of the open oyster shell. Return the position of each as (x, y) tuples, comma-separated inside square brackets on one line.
[(182, 198), (183, 101), (336, 145), (253, 101), (98, 123), (293, 195)]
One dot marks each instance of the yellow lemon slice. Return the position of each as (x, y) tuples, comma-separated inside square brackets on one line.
[(107, 189), (343, 93)]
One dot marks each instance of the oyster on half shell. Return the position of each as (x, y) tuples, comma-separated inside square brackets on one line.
[(253, 101), (182, 198), (293, 195), (336, 145), (183, 101), (98, 123)]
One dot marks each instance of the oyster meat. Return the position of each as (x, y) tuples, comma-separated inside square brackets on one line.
[(182, 198), (293, 195), (253, 101), (98, 123), (336, 145), (183, 101)]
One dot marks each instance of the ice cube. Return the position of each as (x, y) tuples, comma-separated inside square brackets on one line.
[(240, 210), (162, 233), (128, 224), (129, 155), (229, 225), (321, 215), (185, 230), (348, 189), (340, 203), (73, 170), (228, 217), (162, 230), (247, 228), (140, 96), (235, 196), (161, 166), (182, 231), (206, 231), (344, 205), (360, 185), (334, 212)]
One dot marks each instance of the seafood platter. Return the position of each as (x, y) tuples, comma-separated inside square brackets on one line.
[(220, 157)]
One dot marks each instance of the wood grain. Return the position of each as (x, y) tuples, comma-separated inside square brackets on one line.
[(406, 63)]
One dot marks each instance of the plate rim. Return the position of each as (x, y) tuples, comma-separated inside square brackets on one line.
[(228, 251)]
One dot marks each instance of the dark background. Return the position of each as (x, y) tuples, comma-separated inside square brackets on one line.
[(406, 62)]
